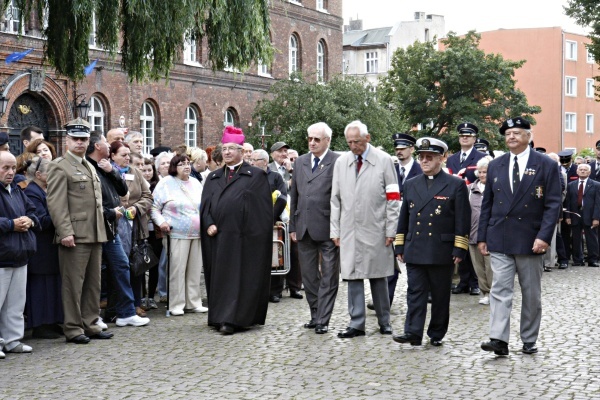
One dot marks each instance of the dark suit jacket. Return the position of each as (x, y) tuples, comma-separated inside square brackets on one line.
[(310, 195), (414, 171), (510, 223), (572, 173), (595, 176), (591, 203), (434, 223), (453, 164)]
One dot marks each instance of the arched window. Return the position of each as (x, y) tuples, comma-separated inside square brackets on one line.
[(191, 126), (294, 51), (321, 60), (96, 114), (230, 117), (147, 126)]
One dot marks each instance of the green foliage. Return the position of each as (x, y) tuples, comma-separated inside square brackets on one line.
[(295, 104), (587, 152), (440, 89), (150, 34), (587, 14)]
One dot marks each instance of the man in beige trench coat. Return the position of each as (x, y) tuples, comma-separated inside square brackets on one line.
[(365, 205)]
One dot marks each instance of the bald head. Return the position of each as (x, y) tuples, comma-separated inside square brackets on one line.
[(114, 135), (8, 167)]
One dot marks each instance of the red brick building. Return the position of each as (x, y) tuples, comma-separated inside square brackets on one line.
[(192, 107)]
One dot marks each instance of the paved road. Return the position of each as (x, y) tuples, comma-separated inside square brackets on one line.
[(182, 358)]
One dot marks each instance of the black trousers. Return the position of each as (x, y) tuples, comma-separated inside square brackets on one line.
[(468, 277)]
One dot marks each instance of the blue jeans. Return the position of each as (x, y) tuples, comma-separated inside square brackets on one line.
[(118, 268), (162, 273)]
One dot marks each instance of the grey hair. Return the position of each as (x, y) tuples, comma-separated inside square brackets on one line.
[(262, 154), (483, 162), (362, 128), (159, 157), (132, 135), (320, 126), (586, 166), (43, 167)]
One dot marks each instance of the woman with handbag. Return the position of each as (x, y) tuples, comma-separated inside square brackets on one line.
[(43, 307), (137, 205), (176, 211)]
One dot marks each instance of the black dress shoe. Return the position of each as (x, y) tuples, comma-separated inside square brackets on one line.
[(80, 339), (594, 264), (294, 294), (321, 329), (370, 306), (102, 335), (529, 348), (274, 299), (227, 329), (435, 342), (475, 291), (460, 289), (578, 264), (350, 333), (563, 266), (385, 329), (311, 324), (499, 347), (414, 340)]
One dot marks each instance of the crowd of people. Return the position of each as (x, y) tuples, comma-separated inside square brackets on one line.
[(69, 224)]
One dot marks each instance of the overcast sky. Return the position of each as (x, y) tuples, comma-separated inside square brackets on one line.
[(462, 16)]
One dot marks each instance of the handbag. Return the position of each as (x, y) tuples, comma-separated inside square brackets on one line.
[(141, 258)]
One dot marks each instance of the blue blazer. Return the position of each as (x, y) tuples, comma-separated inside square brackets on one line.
[(510, 223), (591, 203), (595, 176), (453, 164)]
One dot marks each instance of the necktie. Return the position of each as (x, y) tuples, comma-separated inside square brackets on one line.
[(402, 171), (358, 164), (580, 195), (315, 164), (463, 158), (516, 176)]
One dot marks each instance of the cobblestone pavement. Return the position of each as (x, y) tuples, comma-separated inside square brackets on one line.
[(182, 358)]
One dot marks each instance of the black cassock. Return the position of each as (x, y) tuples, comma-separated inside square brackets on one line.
[(237, 260)]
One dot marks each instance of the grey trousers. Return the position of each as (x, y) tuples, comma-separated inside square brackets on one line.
[(356, 302), (12, 304), (529, 269), (320, 287)]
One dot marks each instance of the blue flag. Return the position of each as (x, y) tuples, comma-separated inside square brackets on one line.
[(88, 70), (17, 56)]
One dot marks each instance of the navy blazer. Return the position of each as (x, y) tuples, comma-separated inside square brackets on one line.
[(453, 164), (595, 176), (434, 223), (591, 203), (414, 171), (572, 173), (510, 223)]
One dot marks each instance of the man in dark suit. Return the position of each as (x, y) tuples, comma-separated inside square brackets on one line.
[(464, 164), (433, 233), (568, 167), (281, 164), (309, 226), (406, 169), (583, 213), (520, 207), (75, 205)]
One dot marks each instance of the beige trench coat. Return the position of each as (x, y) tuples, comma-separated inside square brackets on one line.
[(362, 216)]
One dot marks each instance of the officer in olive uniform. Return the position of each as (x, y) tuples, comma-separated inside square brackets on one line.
[(432, 236), (75, 205)]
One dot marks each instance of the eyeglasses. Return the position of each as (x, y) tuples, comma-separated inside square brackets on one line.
[(224, 149), (313, 139), (184, 164), (78, 139)]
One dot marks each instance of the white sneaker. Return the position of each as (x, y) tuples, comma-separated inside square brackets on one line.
[(134, 320), (485, 300), (20, 348), (101, 324), (200, 309), (2, 355), (176, 312)]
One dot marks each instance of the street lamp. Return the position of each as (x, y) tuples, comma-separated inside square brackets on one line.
[(3, 104), (83, 109)]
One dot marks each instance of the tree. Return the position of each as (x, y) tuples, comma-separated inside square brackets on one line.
[(291, 106), (440, 89), (587, 14), (149, 34)]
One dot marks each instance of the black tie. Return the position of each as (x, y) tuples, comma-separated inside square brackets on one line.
[(516, 176), (315, 164), (463, 158)]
